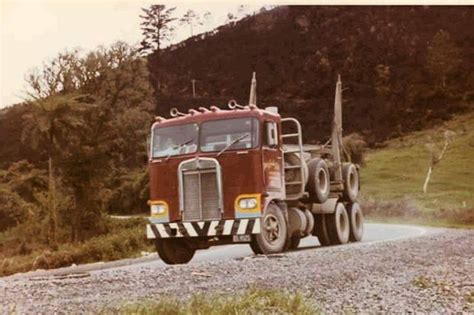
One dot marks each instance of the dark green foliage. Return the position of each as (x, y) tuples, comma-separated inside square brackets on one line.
[(12, 209), (131, 192), (297, 52)]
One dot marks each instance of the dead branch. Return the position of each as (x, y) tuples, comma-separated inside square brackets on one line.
[(437, 157)]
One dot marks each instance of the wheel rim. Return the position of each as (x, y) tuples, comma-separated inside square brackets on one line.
[(271, 228)]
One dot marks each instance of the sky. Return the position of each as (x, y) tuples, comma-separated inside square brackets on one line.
[(35, 31)]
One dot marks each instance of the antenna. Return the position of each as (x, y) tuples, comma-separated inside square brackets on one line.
[(174, 112), (253, 90)]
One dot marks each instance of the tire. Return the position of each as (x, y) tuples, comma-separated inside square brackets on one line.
[(356, 220), (273, 235), (174, 251), (294, 242), (254, 246), (338, 225), (320, 229), (318, 182), (295, 174), (350, 175)]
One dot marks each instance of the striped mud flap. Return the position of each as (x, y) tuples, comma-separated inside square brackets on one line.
[(203, 228)]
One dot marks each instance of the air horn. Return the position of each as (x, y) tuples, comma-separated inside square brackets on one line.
[(174, 112)]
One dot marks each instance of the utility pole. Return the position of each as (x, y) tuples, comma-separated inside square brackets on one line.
[(194, 87)]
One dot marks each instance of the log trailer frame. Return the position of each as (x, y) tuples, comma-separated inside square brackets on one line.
[(243, 175)]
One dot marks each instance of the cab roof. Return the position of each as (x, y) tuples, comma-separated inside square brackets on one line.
[(195, 116)]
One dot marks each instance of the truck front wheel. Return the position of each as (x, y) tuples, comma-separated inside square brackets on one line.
[(174, 251), (272, 237)]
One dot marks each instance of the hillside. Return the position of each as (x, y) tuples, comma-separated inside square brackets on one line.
[(398, 171), (297, 51), (381, 52)]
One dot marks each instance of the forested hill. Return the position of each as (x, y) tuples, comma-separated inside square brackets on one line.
[(402, 68)]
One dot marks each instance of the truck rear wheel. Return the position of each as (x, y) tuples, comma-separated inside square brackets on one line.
[(350, 176), (356, 221), (174, 251), (272, 237), (320, 229), (338, 225), (318, 182)]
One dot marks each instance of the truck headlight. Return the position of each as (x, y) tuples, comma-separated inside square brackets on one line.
[(158, 208), (248, 203)]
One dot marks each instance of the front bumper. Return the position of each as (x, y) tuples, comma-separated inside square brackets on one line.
[(203, 228)]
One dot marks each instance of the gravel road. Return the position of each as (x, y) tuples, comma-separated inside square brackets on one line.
[(430, 273)]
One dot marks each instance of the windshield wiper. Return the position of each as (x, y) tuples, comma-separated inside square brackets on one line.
[(232, 143), (177, 147)]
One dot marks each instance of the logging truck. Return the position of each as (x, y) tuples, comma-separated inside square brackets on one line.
[(243, 175)]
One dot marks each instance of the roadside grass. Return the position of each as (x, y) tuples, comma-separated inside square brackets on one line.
[(252, 301), (396, 173), (126, 239)]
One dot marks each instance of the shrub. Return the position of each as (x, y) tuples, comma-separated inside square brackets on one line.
[(355, 147)]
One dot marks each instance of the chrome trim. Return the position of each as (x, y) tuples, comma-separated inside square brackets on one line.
[(195, 170)]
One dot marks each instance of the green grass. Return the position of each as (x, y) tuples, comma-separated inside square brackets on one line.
[(253, 301), (398, 171)]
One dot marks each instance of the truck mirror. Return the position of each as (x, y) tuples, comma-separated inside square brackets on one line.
[(272, 137), (148, 146)]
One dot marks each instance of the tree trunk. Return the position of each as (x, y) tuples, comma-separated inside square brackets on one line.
[(51, 204), (427, 180)]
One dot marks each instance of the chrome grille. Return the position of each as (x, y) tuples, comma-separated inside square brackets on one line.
[(200, 195)]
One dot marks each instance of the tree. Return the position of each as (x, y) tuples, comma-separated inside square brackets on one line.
[(192, 19), (58, 76), (443, 57), (48, 124), (156, 27), (231, 18), (437, 155)]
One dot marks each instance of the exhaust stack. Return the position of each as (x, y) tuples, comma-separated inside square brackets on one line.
[(253, 91)]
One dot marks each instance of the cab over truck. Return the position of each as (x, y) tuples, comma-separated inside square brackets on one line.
[(243, 175)]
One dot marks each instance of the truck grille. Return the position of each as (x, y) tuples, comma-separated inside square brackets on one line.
[(199, 193)]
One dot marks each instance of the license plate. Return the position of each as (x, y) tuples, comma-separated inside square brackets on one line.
[(241, 238)]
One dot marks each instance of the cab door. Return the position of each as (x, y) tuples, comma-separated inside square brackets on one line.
[(273, 168)]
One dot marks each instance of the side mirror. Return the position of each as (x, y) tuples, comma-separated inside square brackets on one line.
[(148, 146), (272, 134)]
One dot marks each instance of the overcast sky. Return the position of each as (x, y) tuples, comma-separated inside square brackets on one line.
[(34, 31)]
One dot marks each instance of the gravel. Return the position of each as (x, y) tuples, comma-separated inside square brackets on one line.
[(432, 273)]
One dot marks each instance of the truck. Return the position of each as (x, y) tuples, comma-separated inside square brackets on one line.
[(243, 175)]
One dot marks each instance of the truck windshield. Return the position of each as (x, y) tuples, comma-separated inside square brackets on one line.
[(217, 135), (174, 140)]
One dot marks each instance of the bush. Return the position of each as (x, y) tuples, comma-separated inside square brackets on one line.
[(126, 238), (406, 210), (355, 147), (13, 209)]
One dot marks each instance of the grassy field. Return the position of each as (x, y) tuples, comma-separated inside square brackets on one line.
[(397, 171), (253, 301)]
